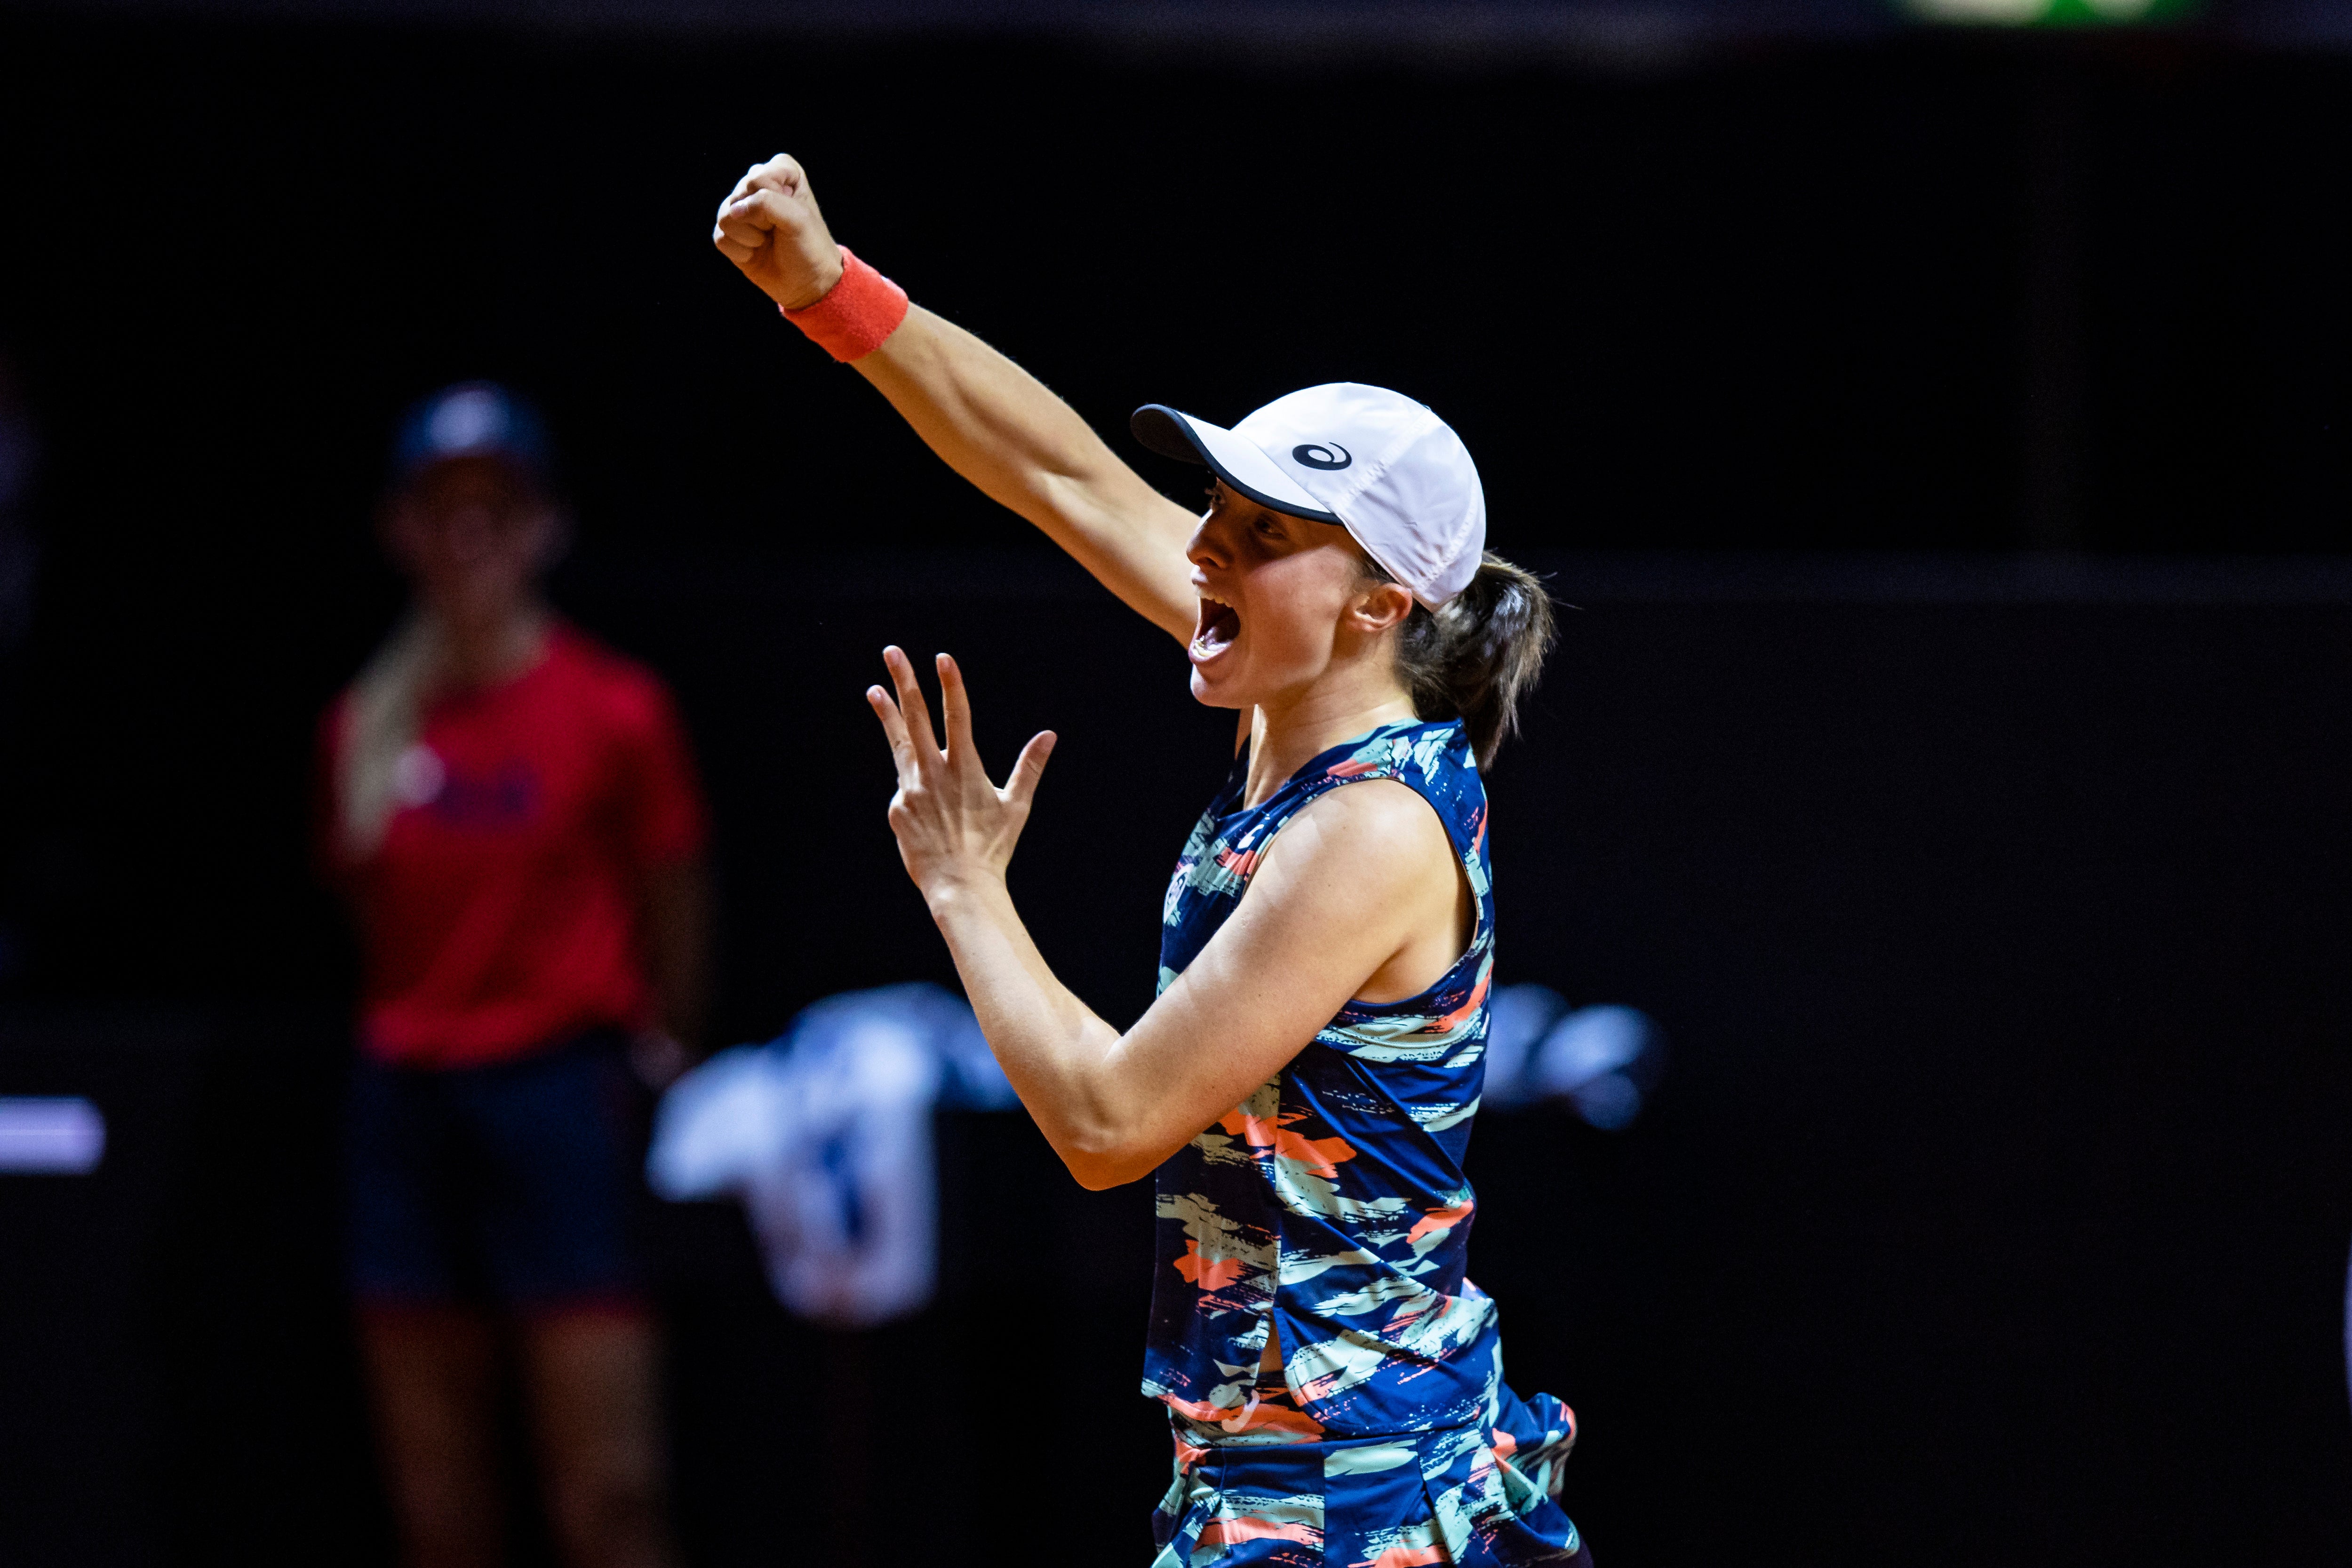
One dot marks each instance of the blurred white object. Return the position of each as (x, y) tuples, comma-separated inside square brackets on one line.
[(1601, 1061), (1593, 1058), (1516, 1023), (51, 1135), (825, 1136)]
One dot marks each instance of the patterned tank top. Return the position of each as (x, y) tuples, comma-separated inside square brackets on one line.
[(1329, 1208)]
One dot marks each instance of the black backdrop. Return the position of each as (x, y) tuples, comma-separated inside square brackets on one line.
[(1997, 1204), (1777, 301)]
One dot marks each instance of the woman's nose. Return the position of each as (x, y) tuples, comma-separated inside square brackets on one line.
[(1205, 548)]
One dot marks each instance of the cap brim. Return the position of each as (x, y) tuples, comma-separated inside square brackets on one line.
[(1238, 462)]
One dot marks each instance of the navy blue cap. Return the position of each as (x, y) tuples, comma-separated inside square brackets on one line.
[(472, 419)]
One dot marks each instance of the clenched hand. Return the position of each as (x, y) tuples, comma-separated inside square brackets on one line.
[(768, 227)]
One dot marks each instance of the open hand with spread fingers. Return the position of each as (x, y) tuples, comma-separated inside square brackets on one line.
[(768, 227), (955, 829)]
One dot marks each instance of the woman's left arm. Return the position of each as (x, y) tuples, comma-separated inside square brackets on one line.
[(1346, 892), (675, 912)]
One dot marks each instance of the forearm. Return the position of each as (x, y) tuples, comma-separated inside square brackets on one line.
[(993, 422), (1006, 432), (1058, 1053), (677, 917)]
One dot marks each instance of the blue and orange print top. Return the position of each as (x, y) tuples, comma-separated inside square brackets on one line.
[(1329, 1208)]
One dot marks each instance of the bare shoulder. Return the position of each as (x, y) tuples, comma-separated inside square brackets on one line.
[(1380, 834)]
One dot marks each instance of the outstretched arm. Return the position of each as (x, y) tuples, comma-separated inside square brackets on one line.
[(1344, 887), (994, 423)]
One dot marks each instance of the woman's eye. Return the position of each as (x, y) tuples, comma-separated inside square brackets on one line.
[(1270, 529)]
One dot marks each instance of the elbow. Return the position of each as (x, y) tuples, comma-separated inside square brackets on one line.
[(1098, 1166), (1102, 1175), (1106, 1136)]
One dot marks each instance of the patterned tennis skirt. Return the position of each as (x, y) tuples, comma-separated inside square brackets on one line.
[(1484, 1495)]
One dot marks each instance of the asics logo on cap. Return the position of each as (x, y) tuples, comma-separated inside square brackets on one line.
[(1319, 456)]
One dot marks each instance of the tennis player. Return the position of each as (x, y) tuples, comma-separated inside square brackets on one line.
[(1301, 1092)]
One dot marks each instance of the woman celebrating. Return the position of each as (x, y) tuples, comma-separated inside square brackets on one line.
[(1303, 1088)]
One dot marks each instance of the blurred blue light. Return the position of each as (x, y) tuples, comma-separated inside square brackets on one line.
[(1609, 1102), (50, 1134), (1586, 1044), (1516, 1022), (1602, 1062)]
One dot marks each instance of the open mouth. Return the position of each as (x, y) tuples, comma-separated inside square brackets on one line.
[(1220, 624)]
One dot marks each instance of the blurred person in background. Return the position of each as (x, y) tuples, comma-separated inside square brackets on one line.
[(512, 813)]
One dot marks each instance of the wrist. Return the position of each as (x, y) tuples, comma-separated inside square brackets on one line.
[(951, 893), (822, 282), (854, 314)]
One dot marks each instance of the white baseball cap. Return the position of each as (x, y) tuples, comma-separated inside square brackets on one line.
[(1375, 462)]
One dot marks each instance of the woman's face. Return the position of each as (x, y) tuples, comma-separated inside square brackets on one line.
[(473, 534), (1282, 601)]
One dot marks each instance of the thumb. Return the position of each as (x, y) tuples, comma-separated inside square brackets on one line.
[(1028, 769)]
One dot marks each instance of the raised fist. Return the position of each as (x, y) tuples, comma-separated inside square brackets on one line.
[(768, 227)]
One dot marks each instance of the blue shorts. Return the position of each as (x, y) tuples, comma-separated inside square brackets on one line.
[(516, 1185)]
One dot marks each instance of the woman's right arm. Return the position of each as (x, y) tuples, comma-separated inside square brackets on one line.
[(1354, 884), (993, 422)]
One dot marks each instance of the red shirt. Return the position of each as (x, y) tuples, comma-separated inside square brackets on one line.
[(500, 913)]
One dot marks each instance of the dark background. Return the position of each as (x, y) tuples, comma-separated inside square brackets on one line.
[(1939, 434)]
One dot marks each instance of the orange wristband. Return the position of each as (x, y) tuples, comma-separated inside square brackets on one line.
[(856, 314)]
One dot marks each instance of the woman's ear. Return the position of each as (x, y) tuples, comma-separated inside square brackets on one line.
[(1380, 606)]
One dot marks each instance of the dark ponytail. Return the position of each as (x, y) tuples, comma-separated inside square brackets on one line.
[(1478, 657)]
